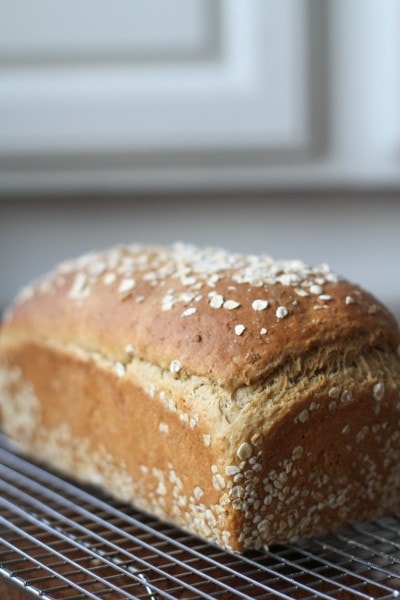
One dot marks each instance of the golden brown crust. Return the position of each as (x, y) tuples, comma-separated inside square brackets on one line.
[(140, 297), (269, 412)]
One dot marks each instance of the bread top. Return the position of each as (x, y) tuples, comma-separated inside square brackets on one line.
[(232, 318)]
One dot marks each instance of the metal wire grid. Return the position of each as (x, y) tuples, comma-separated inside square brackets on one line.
[(59, 540)]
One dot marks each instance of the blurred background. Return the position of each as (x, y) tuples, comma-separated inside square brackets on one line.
[(260, 125)]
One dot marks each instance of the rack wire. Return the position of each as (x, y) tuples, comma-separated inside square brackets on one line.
[(61, 540)]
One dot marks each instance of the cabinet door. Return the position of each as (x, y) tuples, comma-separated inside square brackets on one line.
[(138, 89), (134, 95)]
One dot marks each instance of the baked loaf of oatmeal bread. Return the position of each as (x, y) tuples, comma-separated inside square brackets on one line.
[(247, 400)]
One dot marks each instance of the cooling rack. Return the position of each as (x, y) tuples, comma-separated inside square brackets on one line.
[(60, 540)]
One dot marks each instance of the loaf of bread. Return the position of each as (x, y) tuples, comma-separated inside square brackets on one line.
[(246, 400)]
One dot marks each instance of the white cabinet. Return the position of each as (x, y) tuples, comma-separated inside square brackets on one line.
[(198, 94)]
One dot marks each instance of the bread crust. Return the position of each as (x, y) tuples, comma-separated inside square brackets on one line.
[(243, 436), (77, 305)]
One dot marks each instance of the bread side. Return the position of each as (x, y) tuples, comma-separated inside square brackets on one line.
[(241, 436)]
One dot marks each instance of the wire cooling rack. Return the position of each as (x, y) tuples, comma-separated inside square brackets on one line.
[(60, 540)]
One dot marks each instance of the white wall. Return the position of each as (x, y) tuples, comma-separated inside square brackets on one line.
[(199, 94)]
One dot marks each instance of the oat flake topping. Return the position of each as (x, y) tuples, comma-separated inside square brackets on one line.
[(281, 312), (189, 311), (189, 274), (175, 366), (231, 304), (259, 304), (193, 268), (239, 329)]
